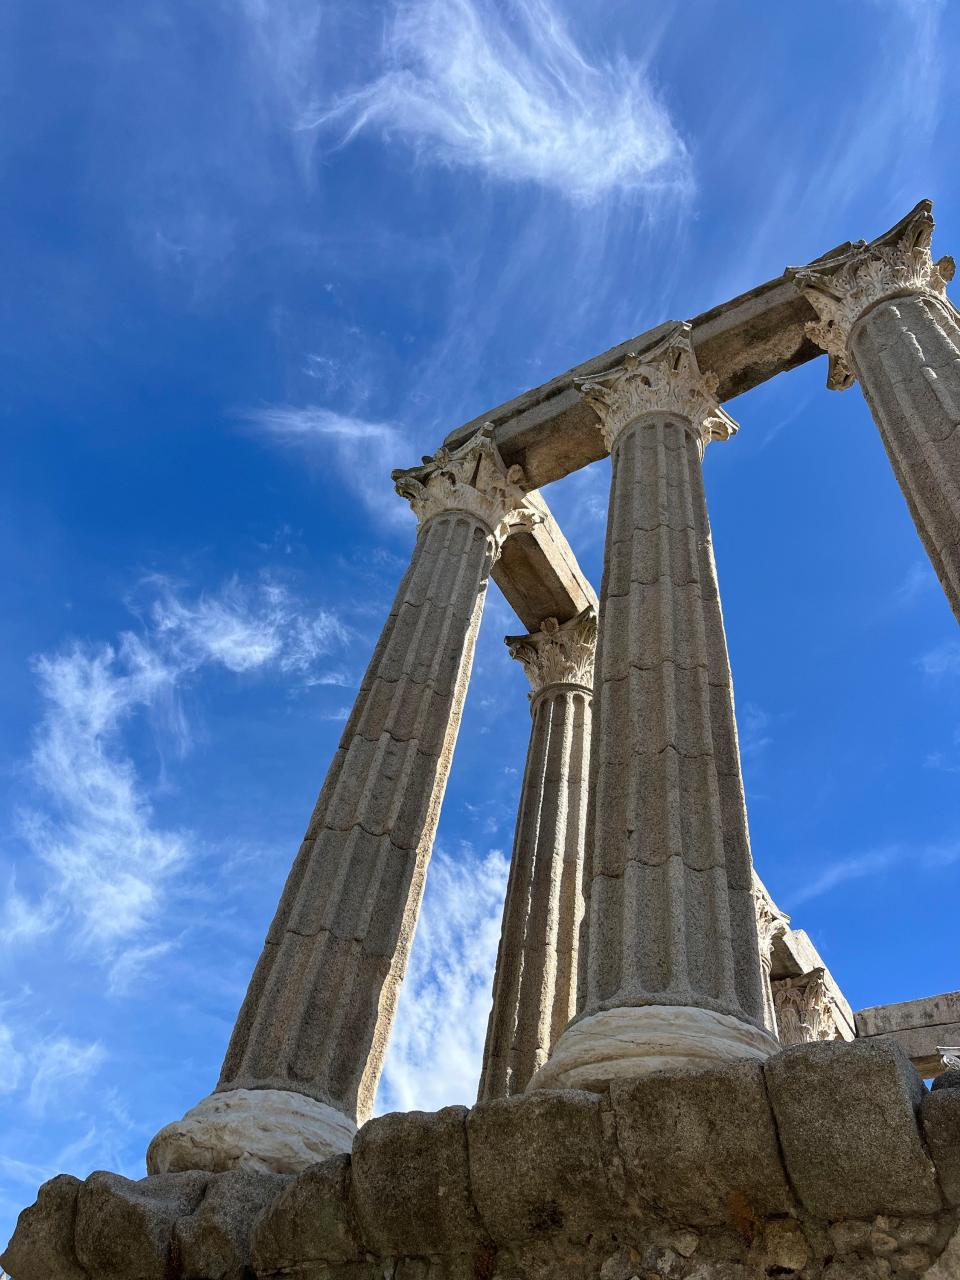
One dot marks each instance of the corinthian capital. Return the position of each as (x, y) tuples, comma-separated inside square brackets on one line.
[(558, 654), (842, 289), (472, 479), (663, 380), (804, 1009)]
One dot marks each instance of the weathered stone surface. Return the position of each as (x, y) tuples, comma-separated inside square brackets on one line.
[(321, 1002), (550, 1186), (886, 321), (125, 1229), (745, 341), (846, 1115), (920, 1027), (806, 1011), (947, 1266), (258, 1130), (42, 1247), (538, 1164), (411, 1185), (534, 988), (940, 1115), (700, 1147), (539, 574), (669, 914), (310, 1221), (792, 954), (213, 1243)]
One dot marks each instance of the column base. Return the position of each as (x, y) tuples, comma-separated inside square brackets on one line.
[(621, 1044), (261, 1130)]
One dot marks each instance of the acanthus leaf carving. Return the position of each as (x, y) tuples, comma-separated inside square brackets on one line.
[(558, 653), (804, 1009), (473, 479), (666, 379), (844, 288)]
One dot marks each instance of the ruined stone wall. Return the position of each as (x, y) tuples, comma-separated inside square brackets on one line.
[(830, 1162)]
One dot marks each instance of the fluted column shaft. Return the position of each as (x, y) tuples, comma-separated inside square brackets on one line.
[(669, 962), (319, 1009), (309, 1043), (887, 323), (534, 990), (906, 354)]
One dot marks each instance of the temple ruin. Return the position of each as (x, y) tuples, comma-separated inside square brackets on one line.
[(673, 1083)]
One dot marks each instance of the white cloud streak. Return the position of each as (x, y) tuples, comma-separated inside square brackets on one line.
[(364, 452), (466, 85), (110, 863), (876, 862), (437, 1044), (61, 1066), (943, 660)]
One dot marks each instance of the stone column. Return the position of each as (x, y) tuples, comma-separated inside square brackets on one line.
[(885, 320), (303, 1063), (771, 924), (534, 990), (669, 961)]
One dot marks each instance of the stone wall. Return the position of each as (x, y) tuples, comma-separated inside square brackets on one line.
[(830, 1162)]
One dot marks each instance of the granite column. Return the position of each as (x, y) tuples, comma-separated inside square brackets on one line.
[(885, 320), (534, 990), (303, 1063), (669, 961)]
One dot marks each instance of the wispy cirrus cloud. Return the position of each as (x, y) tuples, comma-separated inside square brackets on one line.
[(513, 96), (92, 824), (942, 660), (754, 724), (61, 1065), (436, 1047), (48, 1069), (876, 862), (363, 451)]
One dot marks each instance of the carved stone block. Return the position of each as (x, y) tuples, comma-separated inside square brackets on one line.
[(700, 1146), (411, 1184), (538, 1163), (846, 1114)]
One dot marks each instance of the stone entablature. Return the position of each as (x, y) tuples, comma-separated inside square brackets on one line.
[(922, 1028)]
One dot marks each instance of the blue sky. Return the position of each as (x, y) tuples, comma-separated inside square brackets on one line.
[(258, 252)]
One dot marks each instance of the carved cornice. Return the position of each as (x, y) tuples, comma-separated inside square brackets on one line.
[(558, 654), (804, 1009), (664, 380), (843, 288), (771, 921), (472, 479)]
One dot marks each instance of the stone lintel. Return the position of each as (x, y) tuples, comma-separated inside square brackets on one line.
[(539, 574), (920, 1027), (552, 432)]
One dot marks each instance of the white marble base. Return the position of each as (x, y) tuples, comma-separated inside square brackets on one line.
[(262, 1130), (621, 1044)]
